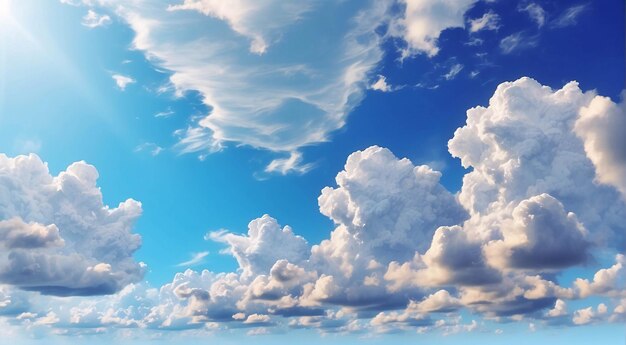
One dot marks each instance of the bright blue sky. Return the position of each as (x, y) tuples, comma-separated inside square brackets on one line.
[(59, 99)]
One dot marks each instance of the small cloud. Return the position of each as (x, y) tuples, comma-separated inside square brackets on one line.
[(291, 164), (196, 258), (454, 71), (210, 236), (474, 74), (536, 13), (122, 81), (517, 41), (127, 61), (489, 21), (569, 17), (166, 113), (474, 42), (152, 148), (427, 86), (381, 84), (94, 20)]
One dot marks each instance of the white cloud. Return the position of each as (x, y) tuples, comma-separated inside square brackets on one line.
[(517, 41), (260, 21), (151, 148), (424, 20), (165, 113), (569, 17), (291, 164), (94, 20), (489, 21), (403, 249), (536, 13), (256, 252), (58, 236), (600, 126), (539, 235), (381, 84), (560, 309), (122, 81), (196, 259), (454, 71), (281, 100)]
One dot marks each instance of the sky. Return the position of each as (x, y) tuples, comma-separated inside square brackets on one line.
[(355, 171)]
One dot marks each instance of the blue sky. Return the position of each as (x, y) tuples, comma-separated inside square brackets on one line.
[(212, 115)]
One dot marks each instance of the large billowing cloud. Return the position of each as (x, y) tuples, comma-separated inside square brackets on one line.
[(57, 236), (405, 252)]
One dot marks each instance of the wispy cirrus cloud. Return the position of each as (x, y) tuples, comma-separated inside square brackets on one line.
[(196, 259)]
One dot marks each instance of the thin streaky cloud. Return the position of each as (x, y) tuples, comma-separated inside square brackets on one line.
[(196, 258)]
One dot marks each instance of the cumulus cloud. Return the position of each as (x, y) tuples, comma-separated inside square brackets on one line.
[(600, 127), (423, 21), (540, 234), (405, 253), (58, 236), (256, 252)]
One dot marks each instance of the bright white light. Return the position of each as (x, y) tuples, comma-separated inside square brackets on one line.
[(5, 11)]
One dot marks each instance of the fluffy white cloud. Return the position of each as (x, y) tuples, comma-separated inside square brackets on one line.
[(600, 126), (524, 145), (388, 205), (424, 20), (58, 236), (607, 281), (404, 249), (534, 207), (257, 251), (539, 235)]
